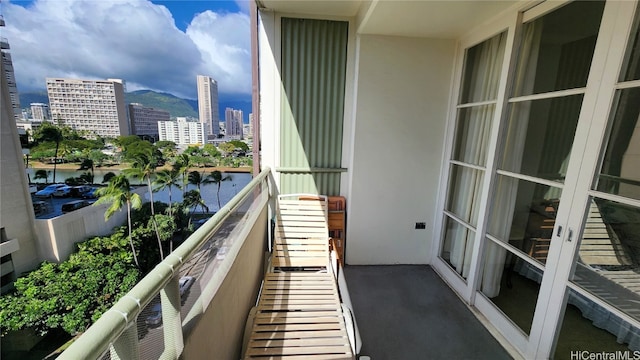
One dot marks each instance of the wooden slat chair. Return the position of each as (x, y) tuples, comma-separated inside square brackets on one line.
[(301, 233), (299, 314)]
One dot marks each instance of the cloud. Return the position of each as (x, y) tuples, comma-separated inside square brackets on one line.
[(132, 40)]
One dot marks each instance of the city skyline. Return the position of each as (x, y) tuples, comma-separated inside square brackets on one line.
[(93, 40)]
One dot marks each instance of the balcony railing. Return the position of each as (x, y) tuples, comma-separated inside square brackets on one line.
[(197, 299)]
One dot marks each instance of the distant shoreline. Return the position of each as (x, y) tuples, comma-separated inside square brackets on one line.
[(70, 166)]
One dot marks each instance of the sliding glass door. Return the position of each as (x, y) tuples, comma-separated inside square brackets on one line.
[(541, 220)]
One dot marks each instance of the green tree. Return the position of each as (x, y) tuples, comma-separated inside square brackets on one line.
[(237, 144), (87, 164), (143, 166), (193, 199), (182, 164), (108, 176), (42, 174), (118, 193), (217, 178), (227, 148), (73, 294), (168, 178), (50, 132)]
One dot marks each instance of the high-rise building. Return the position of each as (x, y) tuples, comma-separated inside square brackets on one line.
[(18, 239), (96, 106), (182, 131), (40, 111), (208, 104), (144, 120), (233, 123), (9, 75)]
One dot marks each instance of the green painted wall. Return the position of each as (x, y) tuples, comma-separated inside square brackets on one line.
[(314, 57)]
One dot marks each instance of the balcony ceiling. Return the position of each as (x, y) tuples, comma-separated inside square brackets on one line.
[(428, 18)]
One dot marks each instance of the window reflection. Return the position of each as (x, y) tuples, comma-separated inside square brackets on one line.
[(464, 193), (620, 173), (587, 326), (457, 247), (558, 48), (511, 284), (523, 213), (540, 136), (472, 134), (608, 263)]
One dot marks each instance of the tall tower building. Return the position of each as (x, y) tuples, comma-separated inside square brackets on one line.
[(9, 75), (233, 123), (40, 111), (144, 120), (208, 104), (96, 106)]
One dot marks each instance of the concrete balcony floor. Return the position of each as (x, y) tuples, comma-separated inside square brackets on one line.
[(408, 312)]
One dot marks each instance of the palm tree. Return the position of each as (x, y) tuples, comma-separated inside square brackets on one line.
[(193, 199), (196, 178), (143, 166), (167, 178), (51, 133), (118, 193), (42, 174), (182, 164), (108, 176), (216, 178), (87, 164)]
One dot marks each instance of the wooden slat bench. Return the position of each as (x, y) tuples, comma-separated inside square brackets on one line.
[(299, 314)]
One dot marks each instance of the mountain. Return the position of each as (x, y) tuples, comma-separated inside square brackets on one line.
[(174, 105)]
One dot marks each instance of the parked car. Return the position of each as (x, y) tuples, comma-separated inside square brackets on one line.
[(74, 205), (77, 191), (40, 207), (185, 284), (49, 190), (90, 194), (155, 318), (63, 191)]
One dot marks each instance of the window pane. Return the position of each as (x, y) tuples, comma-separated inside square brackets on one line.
[(511, 284), (482, 67), (589, 327), (472, 134), (457, 247), (540, 136), (523, 213), (557, 49), (464, 193), (620, 172), (609, 255), (631, 66)]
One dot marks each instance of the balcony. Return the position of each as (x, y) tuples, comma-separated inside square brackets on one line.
[(402, 311), (4, 43)]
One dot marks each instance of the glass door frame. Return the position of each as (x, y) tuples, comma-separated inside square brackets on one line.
[(583, 163)]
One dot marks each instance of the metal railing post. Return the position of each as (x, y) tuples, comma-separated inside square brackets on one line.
[(171, 319), (126, 346)]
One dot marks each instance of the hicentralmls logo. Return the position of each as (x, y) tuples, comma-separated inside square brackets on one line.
[(614, 355)]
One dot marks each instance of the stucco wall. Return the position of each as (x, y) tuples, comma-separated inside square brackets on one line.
[(402, 99), (57, 236)]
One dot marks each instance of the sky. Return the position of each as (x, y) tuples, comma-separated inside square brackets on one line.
[(156, 45)]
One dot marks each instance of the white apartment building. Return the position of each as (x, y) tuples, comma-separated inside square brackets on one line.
[(208, 104), (40, 111), (96, 106), (144, 120), (233, 123), (182, 132)]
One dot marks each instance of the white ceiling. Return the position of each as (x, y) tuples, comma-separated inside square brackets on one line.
[(419, 18)]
